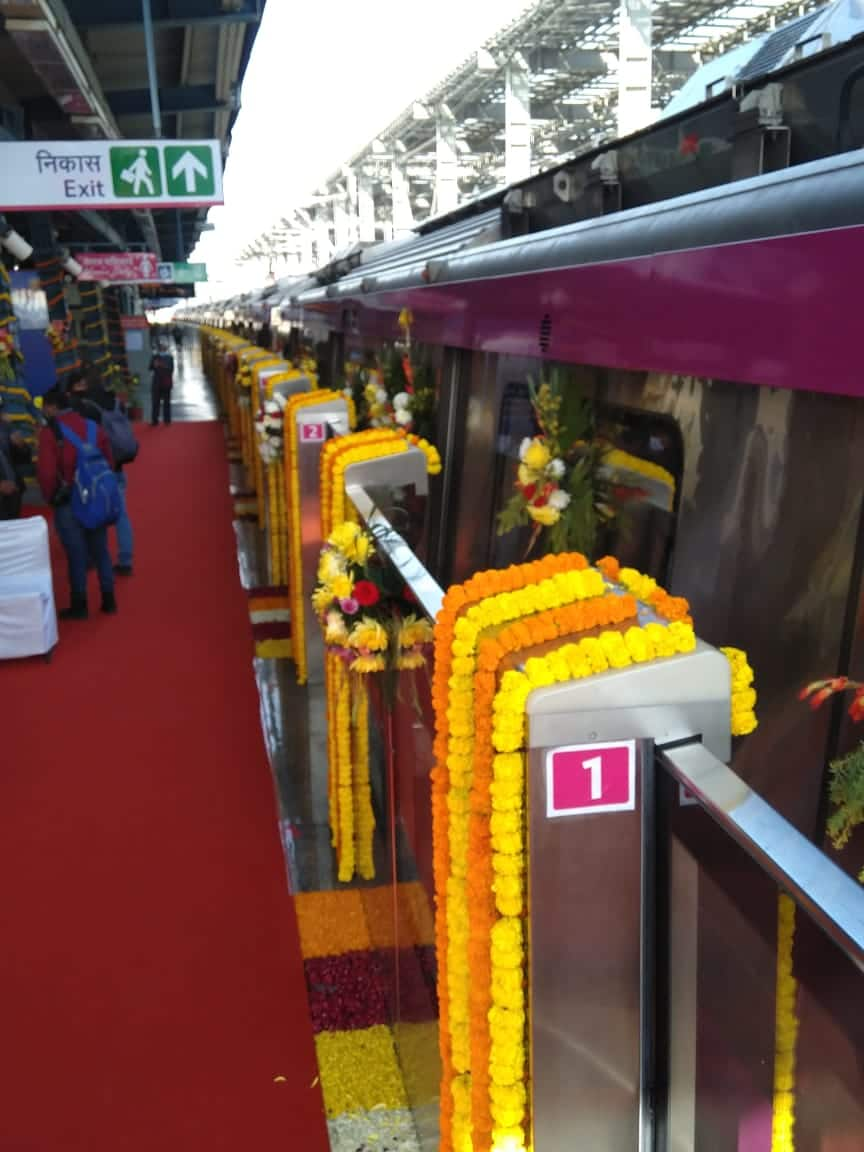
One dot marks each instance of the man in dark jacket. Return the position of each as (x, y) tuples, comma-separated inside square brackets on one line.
[(162, 381), (14, 457), (90, 398), (56, 473)]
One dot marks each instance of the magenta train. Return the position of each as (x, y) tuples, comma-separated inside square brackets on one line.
[(716, 323)]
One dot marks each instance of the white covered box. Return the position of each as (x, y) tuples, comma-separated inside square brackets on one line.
[(28, 617)]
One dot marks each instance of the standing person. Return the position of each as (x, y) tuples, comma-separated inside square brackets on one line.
[(162, 381), (101, 405), (61, 442), (178, 337), (14, 457)]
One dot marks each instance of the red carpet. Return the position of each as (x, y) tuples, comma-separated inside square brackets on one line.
[(151, 983)]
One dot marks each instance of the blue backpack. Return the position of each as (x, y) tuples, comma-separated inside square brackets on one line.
[(95, 492)]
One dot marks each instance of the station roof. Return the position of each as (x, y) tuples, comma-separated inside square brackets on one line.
[(571, 50), (78, 69)]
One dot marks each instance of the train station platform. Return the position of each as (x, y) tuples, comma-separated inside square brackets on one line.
[(151, 978)]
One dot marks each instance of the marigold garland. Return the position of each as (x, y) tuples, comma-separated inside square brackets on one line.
[(456, 1092), (478, 802), (786, 1031), (292, 509), (353, 832)]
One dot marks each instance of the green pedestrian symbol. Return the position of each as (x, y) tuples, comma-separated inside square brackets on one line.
[(135, 172), (189, 170)]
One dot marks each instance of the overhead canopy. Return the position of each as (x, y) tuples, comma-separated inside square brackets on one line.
[(79, 70)]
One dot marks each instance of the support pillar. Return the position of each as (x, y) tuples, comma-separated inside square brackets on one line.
[(323, 243), (634, 66), (365, 210), (403, 218), (341, 224), (517, 121), (446, 163)]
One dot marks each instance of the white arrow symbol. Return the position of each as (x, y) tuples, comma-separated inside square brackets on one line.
[(188, 166)]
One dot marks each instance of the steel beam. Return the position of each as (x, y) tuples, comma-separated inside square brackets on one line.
[(446, 162), (166, 13), (634, 66), (365, 210), (403, 217), (517, 121), (136, 101)]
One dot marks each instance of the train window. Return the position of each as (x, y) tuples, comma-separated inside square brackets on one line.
[(646, 464), (642, 469)]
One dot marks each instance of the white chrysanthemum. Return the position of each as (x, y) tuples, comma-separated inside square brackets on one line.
[(555, 468), (402, 400), (559, 500), (402, 416), (524, 446), (381, 396)]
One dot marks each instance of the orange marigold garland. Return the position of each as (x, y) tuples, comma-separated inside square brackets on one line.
[(479, 799)]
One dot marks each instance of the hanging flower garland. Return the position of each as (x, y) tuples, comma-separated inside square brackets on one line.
[(10, 357), (270, 428), (479, 845), (786, 1031), (369, 627)]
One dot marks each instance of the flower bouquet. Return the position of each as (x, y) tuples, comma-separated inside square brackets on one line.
[(562, 486), (367, 615), (270, 426), (846, 773), (398, 393)]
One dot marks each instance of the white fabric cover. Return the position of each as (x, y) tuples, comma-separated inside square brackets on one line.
[(28, 618)]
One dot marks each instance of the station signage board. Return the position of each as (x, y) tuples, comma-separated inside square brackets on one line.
[(587, 779), (119, 267), (80, 174), (178, 273)]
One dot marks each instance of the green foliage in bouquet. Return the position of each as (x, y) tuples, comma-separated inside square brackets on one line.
[(562, 490)]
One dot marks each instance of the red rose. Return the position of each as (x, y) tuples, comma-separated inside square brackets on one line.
[(366, 594)]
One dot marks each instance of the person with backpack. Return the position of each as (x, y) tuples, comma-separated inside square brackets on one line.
[(162, 381), (98, 403), (76, 476)]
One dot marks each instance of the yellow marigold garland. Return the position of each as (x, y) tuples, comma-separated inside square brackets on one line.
[(786, 1031), (455, 796), (292, 508), (743, 693), (347, 727), (507, 1018)]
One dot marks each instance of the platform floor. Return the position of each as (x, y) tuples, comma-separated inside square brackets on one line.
[(370, 1071)]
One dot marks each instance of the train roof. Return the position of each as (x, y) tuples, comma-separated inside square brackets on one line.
[(805, 36)]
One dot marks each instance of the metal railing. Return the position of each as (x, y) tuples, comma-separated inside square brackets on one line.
[(832, 899)]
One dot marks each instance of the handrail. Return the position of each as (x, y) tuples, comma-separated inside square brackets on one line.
[(833, 899), (425, 588)]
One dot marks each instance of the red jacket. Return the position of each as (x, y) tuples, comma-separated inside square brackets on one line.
[(57, 459)]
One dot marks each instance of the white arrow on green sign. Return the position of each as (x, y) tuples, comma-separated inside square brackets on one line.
[(70, 174)]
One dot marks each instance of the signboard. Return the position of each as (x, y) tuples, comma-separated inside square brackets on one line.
[(584, 779), (70, 174), (118, 267), (311, 433), (183, 273), (132, 322), (29, 302)]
